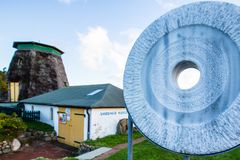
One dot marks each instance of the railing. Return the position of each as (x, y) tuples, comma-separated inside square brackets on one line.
[(31, 115), (26, 115)]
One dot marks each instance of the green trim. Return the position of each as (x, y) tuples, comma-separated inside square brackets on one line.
[(39, 48)]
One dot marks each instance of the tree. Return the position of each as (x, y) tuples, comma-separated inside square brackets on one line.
[(3, 85)]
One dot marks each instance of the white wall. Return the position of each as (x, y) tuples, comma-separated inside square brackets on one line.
[(45, 114), (55, 119), (104, 121)]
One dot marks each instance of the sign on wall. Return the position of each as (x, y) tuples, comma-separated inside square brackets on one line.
[(68, 112), (62, 118)]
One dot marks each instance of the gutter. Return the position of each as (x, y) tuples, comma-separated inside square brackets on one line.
[(88, 125)]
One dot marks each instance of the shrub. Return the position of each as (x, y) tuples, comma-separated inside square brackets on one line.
[(10, 126)]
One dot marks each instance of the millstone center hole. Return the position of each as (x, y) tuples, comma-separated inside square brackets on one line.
[(186, 75)]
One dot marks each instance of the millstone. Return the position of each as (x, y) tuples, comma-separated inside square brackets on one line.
[(201, 120)]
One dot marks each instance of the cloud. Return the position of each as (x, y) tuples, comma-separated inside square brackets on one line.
[(99, 53), (66, 1), (71, 1)]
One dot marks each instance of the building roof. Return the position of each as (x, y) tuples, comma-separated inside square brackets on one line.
[(8, 105), (37, 46), (86, 96)]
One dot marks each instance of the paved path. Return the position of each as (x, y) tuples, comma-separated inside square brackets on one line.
[(93, 154), (38, 149), (117, 148)]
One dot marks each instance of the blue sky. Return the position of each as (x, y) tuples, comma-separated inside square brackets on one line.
[(96, 35)]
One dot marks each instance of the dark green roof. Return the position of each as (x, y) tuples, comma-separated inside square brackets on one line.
[(8, 105), (86, 96), (37, 46)]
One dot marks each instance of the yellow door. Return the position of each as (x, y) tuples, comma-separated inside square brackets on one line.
[(63, 127), (14, 91), (77, 129), (71, 126)]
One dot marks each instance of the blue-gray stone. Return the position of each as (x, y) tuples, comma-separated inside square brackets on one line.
[(202, 120)]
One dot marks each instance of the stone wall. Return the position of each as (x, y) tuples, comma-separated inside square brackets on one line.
[(5, 147), (26, 138), (31, 135)]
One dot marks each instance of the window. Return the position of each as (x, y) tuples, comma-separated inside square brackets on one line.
[(51, 113), (94, 92), (14, 91), (32, 108), (20, 62)]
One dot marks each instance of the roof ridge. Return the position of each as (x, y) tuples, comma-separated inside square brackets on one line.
[(89, 85)]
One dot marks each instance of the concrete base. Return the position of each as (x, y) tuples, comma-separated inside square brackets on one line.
[(93, 154)]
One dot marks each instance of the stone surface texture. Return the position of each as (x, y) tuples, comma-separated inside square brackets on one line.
[(84, 148), (122, 127), (32, 135), (205, 119), (37, 72), (8, 146), (15, 144), (25, 138)]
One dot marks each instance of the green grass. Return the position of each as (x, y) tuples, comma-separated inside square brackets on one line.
[(112, 140), (147, 151), (39, 126)]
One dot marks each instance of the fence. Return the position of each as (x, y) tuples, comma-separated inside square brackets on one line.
[(31, 115), (26, 115)]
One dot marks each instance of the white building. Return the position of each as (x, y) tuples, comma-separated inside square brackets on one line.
[(79, 113)]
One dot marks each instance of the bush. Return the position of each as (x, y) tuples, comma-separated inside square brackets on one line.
[(10, 126)]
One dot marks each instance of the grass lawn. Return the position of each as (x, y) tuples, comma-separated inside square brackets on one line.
[(39, 126), (147, 151), (112, 140)]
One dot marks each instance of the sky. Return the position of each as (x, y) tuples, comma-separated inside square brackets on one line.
[(96, 35)]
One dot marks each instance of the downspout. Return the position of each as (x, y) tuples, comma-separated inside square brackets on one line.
[(88, 125)]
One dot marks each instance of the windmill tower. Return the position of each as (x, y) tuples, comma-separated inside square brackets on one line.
[(35, 69)]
